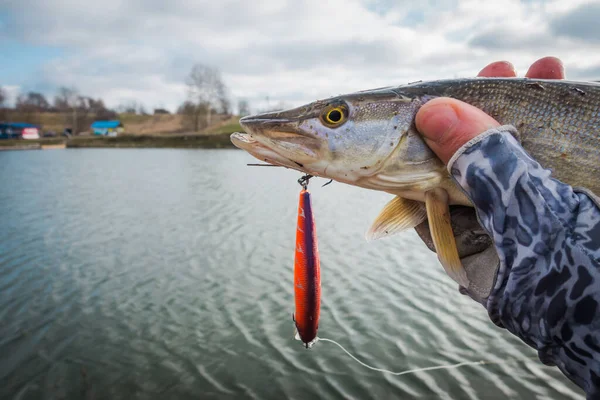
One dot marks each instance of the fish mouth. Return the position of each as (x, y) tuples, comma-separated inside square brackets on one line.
[(278, 141), (275, 126), (246, 141)]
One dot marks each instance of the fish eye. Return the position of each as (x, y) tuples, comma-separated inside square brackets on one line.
[(335, 115)]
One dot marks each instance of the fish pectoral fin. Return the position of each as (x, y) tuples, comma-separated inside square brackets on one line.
[(397, 215), (438, 215)]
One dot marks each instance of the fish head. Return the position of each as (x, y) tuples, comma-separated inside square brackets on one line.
[(365, 139)]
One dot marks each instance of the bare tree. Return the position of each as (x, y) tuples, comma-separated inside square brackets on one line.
[(83, 117), (32, 101), (99, 110), (225, 106), (105, 114), (66, 100), (29, 106), (243, 108), (131, 107), (192, 114), (223, 101), (3, 97), (206, 92)]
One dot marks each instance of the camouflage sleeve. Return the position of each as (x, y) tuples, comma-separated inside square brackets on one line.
[(547, 235)]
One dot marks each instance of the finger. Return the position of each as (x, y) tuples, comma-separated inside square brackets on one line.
[(546, 68), (498, 69), (447, 124)]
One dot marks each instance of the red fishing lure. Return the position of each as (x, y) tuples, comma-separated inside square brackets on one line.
[(307, 272)]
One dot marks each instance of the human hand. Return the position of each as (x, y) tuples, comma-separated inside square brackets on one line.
[(446, 125), (544, 230)]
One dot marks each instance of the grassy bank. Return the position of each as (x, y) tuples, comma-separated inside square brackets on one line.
[(135, 124), (190, 141), (220, 141), (215, 136), (22, 143)]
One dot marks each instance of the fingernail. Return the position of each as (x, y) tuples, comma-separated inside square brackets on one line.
[(436, 120)]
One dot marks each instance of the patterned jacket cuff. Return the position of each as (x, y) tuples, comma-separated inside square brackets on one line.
[(494, 131)]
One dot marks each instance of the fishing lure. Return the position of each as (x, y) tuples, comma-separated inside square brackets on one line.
[(307, 287), (307, 271)]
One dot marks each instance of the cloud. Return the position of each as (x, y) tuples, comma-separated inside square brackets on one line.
[(591, 73), (503, 39), (291, 51), (580, 23)]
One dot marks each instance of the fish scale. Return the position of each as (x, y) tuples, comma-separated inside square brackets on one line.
[(559, 121), (375, 144)]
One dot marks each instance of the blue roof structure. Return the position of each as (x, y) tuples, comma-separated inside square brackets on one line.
[(106, 124), (18, 125)]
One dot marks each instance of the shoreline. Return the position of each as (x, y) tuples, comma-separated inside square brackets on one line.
[(176, 141)]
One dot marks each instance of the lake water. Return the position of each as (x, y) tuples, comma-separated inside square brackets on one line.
[(167, 274)]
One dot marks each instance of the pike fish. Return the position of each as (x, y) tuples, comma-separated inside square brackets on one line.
[(368, 139)]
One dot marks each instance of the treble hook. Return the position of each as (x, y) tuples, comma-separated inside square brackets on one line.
[(303, 181)]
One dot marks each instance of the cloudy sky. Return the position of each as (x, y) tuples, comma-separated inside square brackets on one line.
[(287, 51)]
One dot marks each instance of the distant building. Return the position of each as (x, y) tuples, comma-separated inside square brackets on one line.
[(19, 130), (161, 111), (107, 128)]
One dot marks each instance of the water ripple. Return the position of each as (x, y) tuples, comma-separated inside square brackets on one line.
[(168, 274)]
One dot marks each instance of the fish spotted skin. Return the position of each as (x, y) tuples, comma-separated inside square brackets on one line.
[(378, 148), (368, 139)]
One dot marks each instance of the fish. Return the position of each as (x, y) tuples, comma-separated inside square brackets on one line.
[(307, 274), (368, 139)]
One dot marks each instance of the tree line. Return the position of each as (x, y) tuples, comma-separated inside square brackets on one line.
[(207, 97), (78, 111)]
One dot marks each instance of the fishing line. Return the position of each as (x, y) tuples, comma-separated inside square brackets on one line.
[(306, 273), (412, 371), (264, 165)]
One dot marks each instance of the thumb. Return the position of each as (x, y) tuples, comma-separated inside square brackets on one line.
[(447, 124)]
